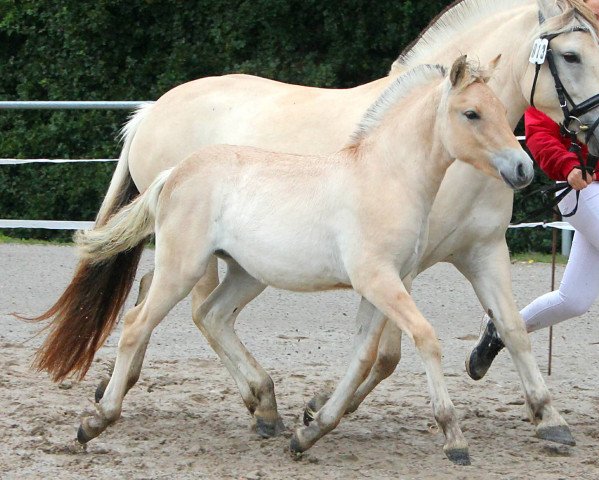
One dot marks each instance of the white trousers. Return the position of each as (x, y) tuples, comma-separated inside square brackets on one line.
[(580, 284)]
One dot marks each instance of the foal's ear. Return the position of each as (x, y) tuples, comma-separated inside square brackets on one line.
[(458, 71)]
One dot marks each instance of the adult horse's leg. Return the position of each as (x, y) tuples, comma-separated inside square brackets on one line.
[(136, 364), (386, 360), (216, 317), (365, 352), (144, 286), (488, 270)]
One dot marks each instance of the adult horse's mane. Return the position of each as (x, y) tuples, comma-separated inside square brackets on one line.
[(462, 14)]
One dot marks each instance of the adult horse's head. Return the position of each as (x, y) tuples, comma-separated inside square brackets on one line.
[(563, 76), (475, 126)]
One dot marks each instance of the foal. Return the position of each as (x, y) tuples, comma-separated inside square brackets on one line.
[(355, 219)]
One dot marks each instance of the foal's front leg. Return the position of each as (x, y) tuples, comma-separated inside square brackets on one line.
[(385, 290), (488, 270)]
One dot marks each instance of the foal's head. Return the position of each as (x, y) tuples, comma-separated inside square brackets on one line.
[(474, 126)]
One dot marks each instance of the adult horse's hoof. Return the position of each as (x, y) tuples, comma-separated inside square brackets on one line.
[(313, 406), (101, 389), (556, 433), (268, 429), (459, 456), (482, 355)]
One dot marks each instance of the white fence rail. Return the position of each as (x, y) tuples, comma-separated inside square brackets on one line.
[(70, 105), (59, 105)]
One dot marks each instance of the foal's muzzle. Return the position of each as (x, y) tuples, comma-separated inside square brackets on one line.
[(515, 167)]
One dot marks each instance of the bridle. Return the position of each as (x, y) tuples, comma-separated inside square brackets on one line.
[(571, 125)]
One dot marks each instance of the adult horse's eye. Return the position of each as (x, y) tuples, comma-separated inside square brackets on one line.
[(471, 115), (571, 57)]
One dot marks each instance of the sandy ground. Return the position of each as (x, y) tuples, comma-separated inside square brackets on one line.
[(185, 418)]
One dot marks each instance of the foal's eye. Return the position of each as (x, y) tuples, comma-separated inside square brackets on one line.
[(471, 115), (571, 57)]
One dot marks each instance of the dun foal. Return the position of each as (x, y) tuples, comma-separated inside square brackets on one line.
[(355, 219)]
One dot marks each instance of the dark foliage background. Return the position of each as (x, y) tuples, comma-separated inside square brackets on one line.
[(139, 49)]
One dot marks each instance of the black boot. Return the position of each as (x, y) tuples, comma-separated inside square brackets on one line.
[(488, 346)]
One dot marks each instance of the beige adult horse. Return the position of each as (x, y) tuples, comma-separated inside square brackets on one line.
[(356, 219), (468, 220)]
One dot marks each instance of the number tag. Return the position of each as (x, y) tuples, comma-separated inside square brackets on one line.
[(539, 51)]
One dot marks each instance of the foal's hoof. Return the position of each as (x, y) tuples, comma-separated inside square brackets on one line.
[(90, 428), (556, 433), (313, 406), (101, 389), (459, 456), (82, 437), (268, 429), (295, 446)]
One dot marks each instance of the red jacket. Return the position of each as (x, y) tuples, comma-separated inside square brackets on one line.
[(548, 146)]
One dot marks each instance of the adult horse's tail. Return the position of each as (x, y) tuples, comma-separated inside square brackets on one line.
[(87, 311)]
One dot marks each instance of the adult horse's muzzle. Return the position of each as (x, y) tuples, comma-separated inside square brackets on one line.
[(515, 167)]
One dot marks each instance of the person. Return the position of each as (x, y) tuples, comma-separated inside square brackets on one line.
[(580, 284)]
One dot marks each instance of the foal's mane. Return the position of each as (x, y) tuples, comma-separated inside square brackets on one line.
[(398, 89), (463, 14)]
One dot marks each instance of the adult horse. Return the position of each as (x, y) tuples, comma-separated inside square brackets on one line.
[(356, 219), (467, 223)]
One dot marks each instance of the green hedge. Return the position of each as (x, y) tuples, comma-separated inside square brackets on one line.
[(137, 50)]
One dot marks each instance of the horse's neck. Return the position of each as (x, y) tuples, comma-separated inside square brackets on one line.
[(509, 33), (407, 148)]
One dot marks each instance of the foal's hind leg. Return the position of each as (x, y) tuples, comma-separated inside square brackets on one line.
[(488, 270), (203, 288), (139, 322), (138, 358), (200, 292), (216, 319)]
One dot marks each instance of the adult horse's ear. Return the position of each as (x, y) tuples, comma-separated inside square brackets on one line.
[(493, 63), (550, 8), (490, 68), (458, 71)]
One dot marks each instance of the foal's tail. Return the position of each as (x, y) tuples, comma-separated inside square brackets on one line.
[(87, 311), (125, 229)]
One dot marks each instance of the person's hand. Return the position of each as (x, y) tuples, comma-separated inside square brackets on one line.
[(577, 181)]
